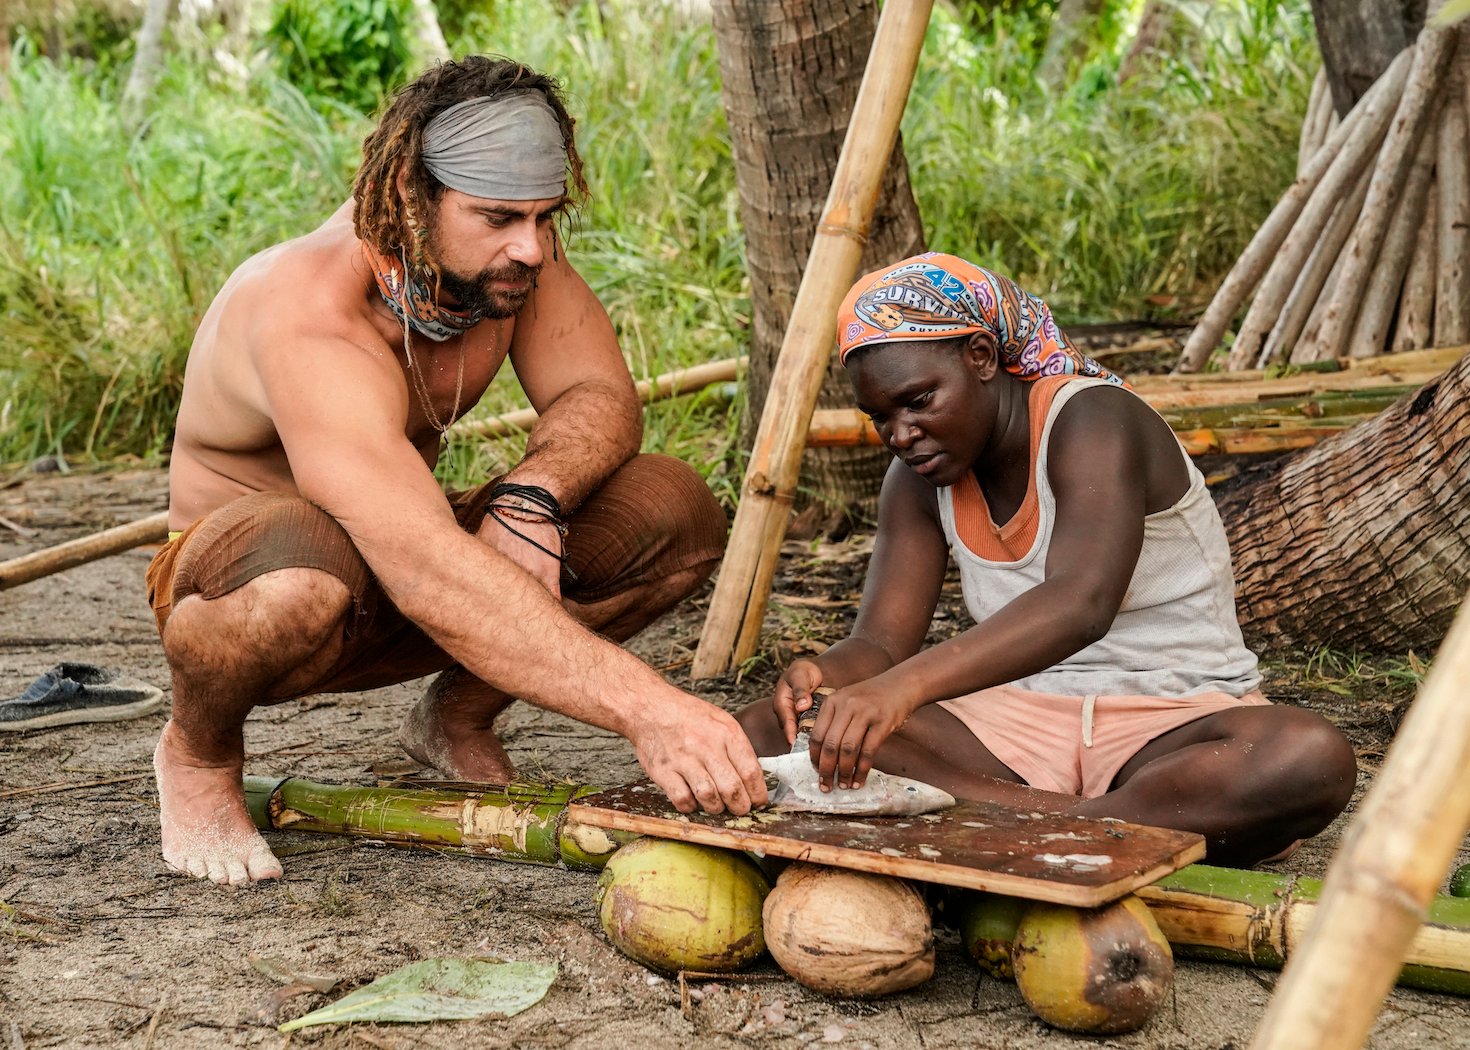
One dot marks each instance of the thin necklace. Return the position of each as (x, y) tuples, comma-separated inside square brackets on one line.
[(421, 387)]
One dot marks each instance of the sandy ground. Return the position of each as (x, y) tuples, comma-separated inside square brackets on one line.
[(101, 946)]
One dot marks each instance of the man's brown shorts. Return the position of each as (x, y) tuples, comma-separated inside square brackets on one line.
[(653, 518)]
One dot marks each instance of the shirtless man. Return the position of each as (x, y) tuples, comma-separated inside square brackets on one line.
[(316, 553), (1106, 660)]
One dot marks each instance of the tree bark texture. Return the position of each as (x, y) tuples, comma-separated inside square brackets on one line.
[(791, 71), (1359, 38), (1066, 43), (1363, 541), (147, 60)]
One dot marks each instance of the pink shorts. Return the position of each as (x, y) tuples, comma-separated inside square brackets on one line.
[(1077, 744)]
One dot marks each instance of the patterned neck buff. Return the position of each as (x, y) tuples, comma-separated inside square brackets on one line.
[(411, 300), (936, 296)]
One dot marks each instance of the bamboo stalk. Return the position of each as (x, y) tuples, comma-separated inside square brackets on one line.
[(1363, 124), (1291, 251), (1314, 122), (847, 427), (1256, 918), (522, 823), (1452, 268), (1432, 360), (1371, 333), (1414, 329), (28, 567), (1391, 861), (1433, 53), (670, 384), (1319, 272), (732, 628)]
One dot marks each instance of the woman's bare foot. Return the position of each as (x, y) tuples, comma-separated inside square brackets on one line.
[(452, 729), (207, 831)]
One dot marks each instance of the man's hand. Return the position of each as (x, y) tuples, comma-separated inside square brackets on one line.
[(700, 757), (794, 694), (544, 568), (851, 726)]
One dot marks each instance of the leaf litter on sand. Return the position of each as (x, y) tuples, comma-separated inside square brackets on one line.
[(439, 990)]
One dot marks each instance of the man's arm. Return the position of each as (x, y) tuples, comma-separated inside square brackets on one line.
[(1097, 463), (566, 356), (340, 411)]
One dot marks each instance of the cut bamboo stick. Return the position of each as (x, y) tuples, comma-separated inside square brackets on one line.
[(1414, 328), (1452, 266), (1360, 146), (732, 628), (1376, 105), (28, 567), (1422, 91), (1371, 333), (1314, 122), (670, 384), (1391, 861), (1259, 919), (1320, 269)]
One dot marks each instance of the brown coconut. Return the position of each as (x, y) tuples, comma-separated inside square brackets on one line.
[(848, 933)]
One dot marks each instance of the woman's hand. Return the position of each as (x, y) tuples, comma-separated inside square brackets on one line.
[(794, 694), (851, 726)]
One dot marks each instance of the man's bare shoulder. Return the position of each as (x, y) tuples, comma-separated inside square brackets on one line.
[(316, 286)]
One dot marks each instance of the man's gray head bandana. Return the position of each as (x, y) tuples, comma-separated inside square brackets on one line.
[(508, 148)]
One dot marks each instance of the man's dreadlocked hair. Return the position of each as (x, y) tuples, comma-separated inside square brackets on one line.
[(379, 215)]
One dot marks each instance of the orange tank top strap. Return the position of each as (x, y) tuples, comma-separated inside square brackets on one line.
[(976, 528)]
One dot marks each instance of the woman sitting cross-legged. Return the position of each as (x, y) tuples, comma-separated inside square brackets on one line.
[(1106, 661)]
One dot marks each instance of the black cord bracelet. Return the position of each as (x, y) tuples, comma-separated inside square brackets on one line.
[(535, 493)]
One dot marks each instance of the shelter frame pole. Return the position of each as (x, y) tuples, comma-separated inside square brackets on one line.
[(1390, 864), (732, 626)]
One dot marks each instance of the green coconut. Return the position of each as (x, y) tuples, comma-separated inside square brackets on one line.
[(677, 906), (1098, 970), (987, 924), (1460, 881)]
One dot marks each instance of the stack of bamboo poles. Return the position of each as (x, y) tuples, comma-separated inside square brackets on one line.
[(1369, 251), (1234, 413)]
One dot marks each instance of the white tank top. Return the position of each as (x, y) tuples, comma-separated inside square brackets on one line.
[(1176, 633)]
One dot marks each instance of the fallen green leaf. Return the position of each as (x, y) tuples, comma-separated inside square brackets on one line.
[(439, 990)]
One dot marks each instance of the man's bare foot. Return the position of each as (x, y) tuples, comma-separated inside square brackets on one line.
[(451, 729), (207, 831)]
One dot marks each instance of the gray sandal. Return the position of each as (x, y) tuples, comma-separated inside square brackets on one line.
[(77, 692)]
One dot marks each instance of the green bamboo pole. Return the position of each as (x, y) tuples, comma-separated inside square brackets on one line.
[(523, 823), (1259, 919)]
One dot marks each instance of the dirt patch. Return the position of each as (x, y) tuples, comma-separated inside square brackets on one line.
[(101, 946)]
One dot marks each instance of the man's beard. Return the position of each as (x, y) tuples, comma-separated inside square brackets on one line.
[(473, 294)]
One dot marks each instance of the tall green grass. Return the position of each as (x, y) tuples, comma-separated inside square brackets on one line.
[(112, 244)]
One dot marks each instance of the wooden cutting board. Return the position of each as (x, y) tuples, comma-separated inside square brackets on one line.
[(1079, 861)]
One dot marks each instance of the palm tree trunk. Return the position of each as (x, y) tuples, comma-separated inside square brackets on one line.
[(791, 71), (1364, 540)]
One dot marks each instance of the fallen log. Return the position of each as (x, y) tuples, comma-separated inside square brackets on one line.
[(1219, 914)]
